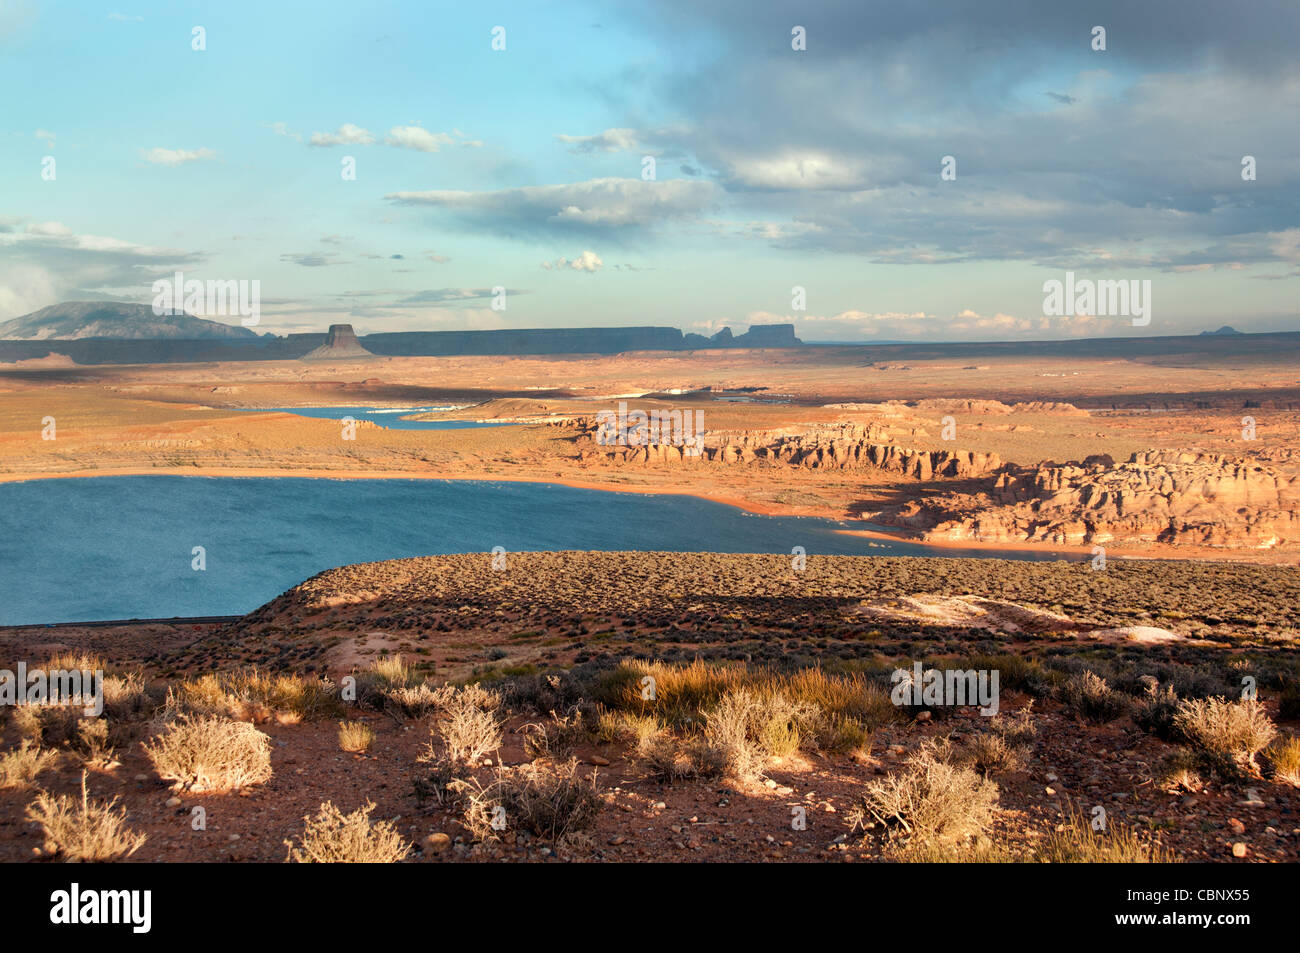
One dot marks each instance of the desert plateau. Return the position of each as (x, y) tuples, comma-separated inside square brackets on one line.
[(852, 449)]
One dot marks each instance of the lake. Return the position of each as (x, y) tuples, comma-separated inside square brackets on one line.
[(389, 418), (121, 547)]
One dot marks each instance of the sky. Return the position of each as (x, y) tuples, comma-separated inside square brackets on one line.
[(774, 168)]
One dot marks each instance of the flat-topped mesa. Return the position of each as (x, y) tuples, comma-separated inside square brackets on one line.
[(341, 342)]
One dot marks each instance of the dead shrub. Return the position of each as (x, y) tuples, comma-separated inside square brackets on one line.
[(332, 837), (211, 754), (20, 766), (1088, 697), (84, 831), (468, 725), (552, 802), (555, 738), (930, 801), (750, 730), (1225, 735)]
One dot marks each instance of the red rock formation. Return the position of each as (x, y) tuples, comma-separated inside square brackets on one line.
[(1169, 497)]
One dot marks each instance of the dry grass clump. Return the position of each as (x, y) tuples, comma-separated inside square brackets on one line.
[(256, 696), (27, 722), (332, 837), (930, 801), (657, 751), (1180, 773), (1156, 711), (628, 728), (49, 725), (681, 694), (749, 730), (411, 701), (92, 743), (1283, 759), (76, 661), (843, 734), (127, 698), (381, 680), (1088, 697), (1005, 746), (988, 753), (211, 754), (20, 766), (468, 725), (555, 738), (1077, 842), (82, 831), (1019, 729), (355, 736), (552, 802), (1225, 735)]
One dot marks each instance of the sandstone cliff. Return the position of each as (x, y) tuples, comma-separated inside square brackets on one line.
[(1169, 497), (838, 447)]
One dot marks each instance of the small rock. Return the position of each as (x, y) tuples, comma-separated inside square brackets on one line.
[(1239, 849), (1236, 826), (658, 805), (173, 802), (1049, 789), (599, 761), (923, 716), (616, 840), (437, 842)]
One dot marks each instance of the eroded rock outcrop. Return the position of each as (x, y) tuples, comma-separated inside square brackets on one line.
[(1168, 497), (836, 447)]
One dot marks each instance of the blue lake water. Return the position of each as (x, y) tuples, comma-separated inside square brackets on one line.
[(387, 417), (120, 547)]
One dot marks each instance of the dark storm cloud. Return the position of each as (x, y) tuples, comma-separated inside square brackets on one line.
[(1141, 142)]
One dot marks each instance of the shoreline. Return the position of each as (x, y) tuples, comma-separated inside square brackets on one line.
[(1198, 554)]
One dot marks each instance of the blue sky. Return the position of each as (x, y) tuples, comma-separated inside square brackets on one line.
[(522, 168)]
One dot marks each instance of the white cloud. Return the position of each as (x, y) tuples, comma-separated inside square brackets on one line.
[(611, 140), (46, 135), (282, 129), (588, 261), (347, 134), (175, 156), (45, 262), (418, 138), (48, 228), (800, 170)]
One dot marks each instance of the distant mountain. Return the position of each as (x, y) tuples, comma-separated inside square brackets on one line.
[(74, 320), (1226, 329)]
